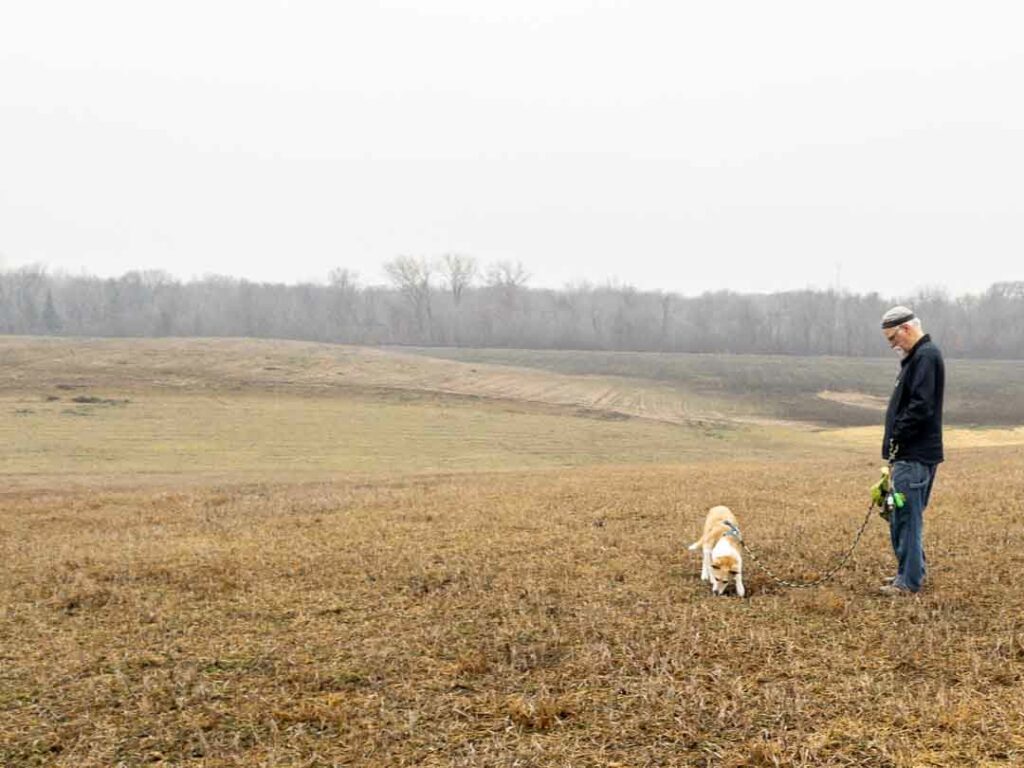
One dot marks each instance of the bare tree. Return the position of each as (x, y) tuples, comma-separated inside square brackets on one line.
[(412, 277), (505, 274), (665, 305), (458, 272), (507, 279), (341, 314), (343, 278), (51, 320), (30, 284)]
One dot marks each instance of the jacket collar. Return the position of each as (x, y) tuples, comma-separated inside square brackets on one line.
[(913, 349)]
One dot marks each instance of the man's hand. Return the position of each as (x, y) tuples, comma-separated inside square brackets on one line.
[(880, 489)]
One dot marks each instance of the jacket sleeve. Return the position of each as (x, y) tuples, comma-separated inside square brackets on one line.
[(920, 407)]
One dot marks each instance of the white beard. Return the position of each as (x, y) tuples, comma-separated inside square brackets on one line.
[(900, 352)]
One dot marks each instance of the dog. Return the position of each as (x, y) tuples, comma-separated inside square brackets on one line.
[(723, 551)]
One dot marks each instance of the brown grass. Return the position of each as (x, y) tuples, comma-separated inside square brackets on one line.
[(88, 413), (235, 553), (514, 619), (676, 389)]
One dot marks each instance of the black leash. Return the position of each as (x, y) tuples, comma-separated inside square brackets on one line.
[(803, 584)]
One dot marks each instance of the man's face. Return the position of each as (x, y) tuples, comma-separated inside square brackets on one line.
[(897, 339)]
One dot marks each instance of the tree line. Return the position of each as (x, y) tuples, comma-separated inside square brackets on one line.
[(455, 301)]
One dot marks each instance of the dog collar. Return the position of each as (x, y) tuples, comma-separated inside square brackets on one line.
[(733, 531)]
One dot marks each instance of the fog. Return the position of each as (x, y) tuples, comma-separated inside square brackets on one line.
[(681, 147)]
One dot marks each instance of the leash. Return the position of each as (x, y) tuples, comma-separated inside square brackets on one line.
[(803, 584)]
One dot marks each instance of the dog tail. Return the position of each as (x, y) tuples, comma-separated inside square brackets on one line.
[(696, 544)]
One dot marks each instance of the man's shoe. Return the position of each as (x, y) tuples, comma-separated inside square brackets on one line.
[(890, 580), (891, 590)]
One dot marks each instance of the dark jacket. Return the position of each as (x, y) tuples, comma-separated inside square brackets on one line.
[(914, 417)]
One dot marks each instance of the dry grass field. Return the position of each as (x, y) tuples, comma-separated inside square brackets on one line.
[(272, 554), (838, 391)]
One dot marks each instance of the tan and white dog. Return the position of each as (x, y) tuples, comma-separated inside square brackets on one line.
[(723, 551)]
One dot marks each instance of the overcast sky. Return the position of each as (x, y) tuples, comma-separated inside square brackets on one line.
[(751, 146)]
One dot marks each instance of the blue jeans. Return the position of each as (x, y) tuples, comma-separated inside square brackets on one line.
[(906, 526)]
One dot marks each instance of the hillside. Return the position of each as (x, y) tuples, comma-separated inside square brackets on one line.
[(828, 392), (88, 409), (833, 391)]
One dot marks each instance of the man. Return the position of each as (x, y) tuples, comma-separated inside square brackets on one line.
[(912, 442)]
